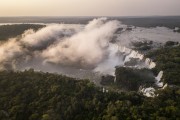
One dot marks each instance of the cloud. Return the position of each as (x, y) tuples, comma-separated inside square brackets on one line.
[(8, 51), (88, 47), (98, 46)]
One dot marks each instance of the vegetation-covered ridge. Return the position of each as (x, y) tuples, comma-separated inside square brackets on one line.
[(129, 79), (33, 95), (167, 60), (10, 31)]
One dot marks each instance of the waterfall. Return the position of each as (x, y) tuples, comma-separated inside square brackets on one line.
[(158, 79), (146, 63), (149, 92), (149, 63), (129, 53)]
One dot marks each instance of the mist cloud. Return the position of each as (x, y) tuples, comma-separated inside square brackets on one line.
[(88, 47), (64, 48)]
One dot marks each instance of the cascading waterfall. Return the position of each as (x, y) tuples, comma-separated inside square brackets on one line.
[(158, 79), (129, 53), (149, 92), (148, 63)]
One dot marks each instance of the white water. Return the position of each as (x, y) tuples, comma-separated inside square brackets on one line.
[(158, 79), (150, 63), (150, 91), (129, 53)]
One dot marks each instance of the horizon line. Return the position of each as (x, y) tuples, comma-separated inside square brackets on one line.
[(101, 16)]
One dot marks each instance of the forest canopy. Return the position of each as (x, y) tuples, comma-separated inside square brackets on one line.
[(36, 95)]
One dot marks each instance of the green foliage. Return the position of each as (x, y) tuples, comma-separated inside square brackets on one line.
[(107, 80), (33, 95), (168, 60), (9, 31), (170, 43), (131, 78), (142, 45)]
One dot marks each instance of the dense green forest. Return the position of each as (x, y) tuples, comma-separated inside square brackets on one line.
[(33, 95), (128, 79), (168, 60), (9, 31)]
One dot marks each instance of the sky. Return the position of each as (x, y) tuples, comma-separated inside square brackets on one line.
[(89, 7)]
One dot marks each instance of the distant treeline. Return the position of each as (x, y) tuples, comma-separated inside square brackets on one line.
[(169, 22), (9, 31)]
